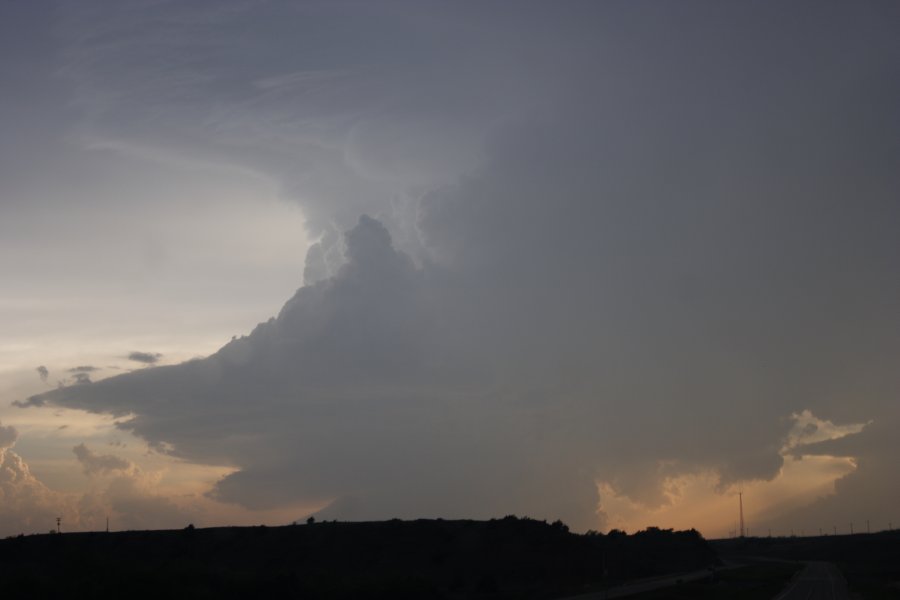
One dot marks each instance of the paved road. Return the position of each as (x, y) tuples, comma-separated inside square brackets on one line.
[(818, 581), (645, 585)]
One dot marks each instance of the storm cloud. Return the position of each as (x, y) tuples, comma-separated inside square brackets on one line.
[(393, 389), (596, 245), (94, 463), (147, 358)]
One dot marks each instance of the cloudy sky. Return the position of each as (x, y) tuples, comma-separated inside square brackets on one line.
[(609, 262)]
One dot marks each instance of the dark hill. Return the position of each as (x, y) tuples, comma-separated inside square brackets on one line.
[(504, 558)]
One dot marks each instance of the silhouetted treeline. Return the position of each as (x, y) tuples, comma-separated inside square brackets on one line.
[(654, 551), (501, 558)]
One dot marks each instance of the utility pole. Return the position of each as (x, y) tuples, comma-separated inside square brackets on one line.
[(58, 529), (741, 504), (851, 527), (107, 524)]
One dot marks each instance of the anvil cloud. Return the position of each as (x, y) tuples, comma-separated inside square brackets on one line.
[(575, 247)]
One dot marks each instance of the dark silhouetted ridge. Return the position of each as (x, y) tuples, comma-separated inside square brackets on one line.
[(501, 558)]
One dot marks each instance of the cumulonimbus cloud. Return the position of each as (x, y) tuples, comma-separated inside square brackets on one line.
[(392, 389), (626, 274)]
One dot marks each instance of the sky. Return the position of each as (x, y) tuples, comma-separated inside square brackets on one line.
[(607, 262)]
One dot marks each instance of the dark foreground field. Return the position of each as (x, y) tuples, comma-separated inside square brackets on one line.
[(752, 580), (869, 562), (504, 558)]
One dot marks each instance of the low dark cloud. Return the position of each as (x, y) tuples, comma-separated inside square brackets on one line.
[(84, 369), (99, 464), (8, 436), (33, 401), (43, 372), (81, 378), (147, 358)]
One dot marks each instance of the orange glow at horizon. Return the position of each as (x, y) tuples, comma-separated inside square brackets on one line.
[(694, 502)]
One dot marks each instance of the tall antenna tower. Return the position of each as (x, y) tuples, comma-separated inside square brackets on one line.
[(741, 505)]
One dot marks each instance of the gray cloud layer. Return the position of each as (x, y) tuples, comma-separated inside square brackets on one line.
[(94, 463), (609, 243), (148, 358)]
